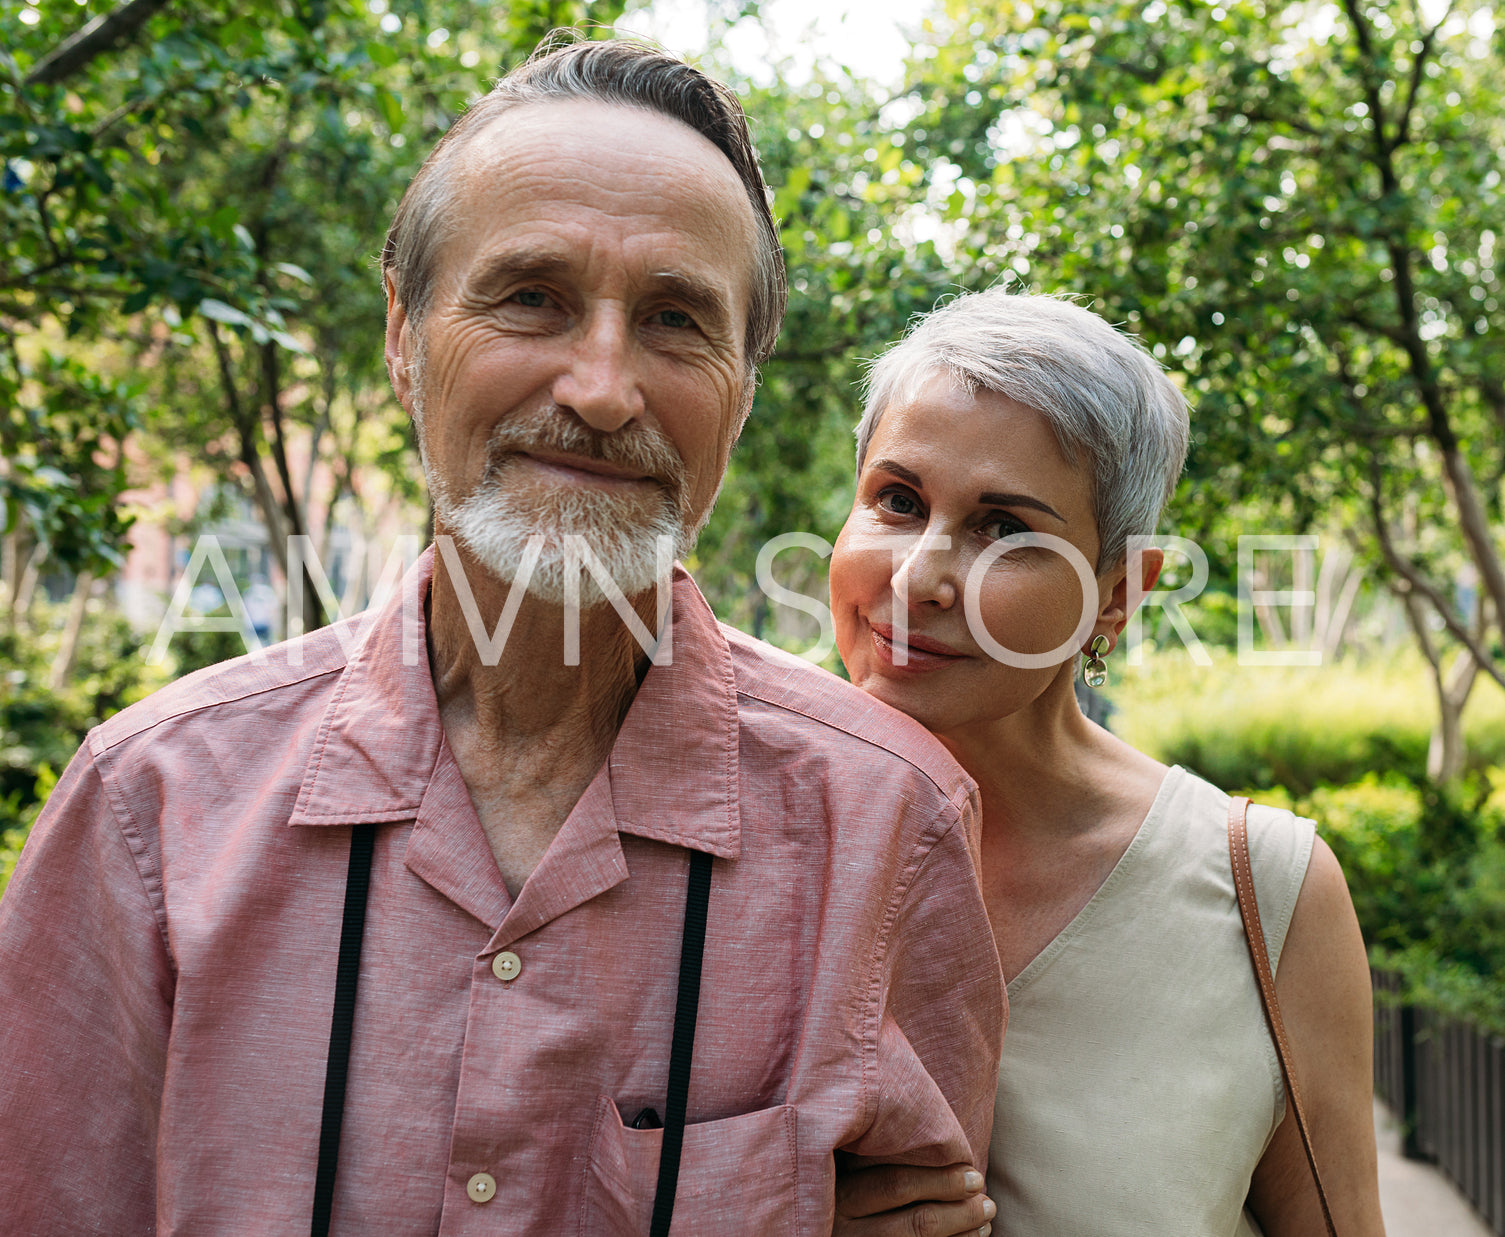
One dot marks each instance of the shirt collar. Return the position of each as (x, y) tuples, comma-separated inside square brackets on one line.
[(673, 770), (380, 735)]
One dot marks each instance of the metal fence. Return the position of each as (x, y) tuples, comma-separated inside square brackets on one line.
[(1446, 1081)]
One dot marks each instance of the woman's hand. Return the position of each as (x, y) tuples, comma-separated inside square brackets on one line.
[(896, 1200)]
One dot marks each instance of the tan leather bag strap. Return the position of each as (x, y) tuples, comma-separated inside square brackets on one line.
[(1243, 886)]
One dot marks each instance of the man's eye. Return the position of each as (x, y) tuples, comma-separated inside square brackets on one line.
[(898, 502), (674, 319), (532, 298)]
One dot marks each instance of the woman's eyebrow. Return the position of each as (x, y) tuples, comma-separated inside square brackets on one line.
[(987, 498), (898, 470), (990, 499)]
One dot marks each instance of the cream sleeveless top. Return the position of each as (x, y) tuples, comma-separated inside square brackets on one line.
[(1139, 1085)]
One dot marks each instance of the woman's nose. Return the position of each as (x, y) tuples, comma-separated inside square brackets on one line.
[(926, 576)]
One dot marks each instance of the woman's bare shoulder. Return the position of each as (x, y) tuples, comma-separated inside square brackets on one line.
[(1323, 987)]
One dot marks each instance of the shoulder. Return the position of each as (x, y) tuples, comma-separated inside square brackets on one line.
[(273, 678), (1323, 988), (790, 701), (1281, 847), (1278, 838), (1324, 906)]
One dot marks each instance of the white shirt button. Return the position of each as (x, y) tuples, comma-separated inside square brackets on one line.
[(506, 966), (481, 1188)]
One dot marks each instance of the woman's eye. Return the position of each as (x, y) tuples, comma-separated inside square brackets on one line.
[(674, 319), (898, 502), (532, 298), (999, 526)]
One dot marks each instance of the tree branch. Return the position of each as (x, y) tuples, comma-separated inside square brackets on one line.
[(1408, 572), (1393, 333), (1403, 126), (1256, 115), (97, 36), (1375, 104), (1473, 522)]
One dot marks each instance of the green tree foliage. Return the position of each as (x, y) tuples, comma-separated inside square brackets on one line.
[(41, 725), (1425, 864), (189, 215), (175, 192), (857, 275), (61, 434), (1299, 207)]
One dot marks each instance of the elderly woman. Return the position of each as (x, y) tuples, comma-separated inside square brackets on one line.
[(1140, 1092)]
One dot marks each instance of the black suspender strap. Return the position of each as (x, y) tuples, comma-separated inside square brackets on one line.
[(681, 1051), (357, 883), (686, 1007)]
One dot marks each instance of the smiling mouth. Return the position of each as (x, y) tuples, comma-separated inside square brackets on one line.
[(580, 469), (925, 653)]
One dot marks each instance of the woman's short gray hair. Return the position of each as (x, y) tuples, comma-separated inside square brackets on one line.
[(618, 72), (1105, 397)]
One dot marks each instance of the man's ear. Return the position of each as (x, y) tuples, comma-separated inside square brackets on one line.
[(748, 393), (399, 349)]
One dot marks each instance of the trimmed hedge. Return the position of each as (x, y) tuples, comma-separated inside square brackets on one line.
[(1296, 727)]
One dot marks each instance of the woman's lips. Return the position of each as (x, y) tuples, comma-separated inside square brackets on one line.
[(925, 652)]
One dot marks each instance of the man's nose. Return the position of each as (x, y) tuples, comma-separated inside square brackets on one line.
[(600, 383), (926, 574)]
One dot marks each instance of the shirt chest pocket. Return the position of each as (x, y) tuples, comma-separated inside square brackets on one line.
[(736, 1176)]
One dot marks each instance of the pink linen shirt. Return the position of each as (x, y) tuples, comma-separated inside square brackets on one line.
[(169, 939)]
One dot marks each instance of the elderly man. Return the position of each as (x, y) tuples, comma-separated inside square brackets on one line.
[(535, 893)]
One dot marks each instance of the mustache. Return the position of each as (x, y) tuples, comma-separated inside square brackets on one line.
[(641, 448)]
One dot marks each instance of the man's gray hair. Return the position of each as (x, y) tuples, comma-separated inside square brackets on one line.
[(616, 72), (1104, 396)]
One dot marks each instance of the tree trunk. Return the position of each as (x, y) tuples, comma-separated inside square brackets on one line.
[(271, 396), (10, 572), (1448, 750), (1333, 613), (26, 587), (250, 453), (1303, 562), (1473, 521), (1412, 586), (67, 653), (1269, 620)]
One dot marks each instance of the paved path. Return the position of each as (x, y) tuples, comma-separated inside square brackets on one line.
[(1417, 1200)]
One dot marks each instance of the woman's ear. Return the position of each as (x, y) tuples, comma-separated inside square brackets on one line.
[(1147, 564)]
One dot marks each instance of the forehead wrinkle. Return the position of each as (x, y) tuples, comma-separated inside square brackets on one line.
[(504, 131), (611, 168), (525, 156)]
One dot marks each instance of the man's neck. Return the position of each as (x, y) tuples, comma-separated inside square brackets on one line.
[(529, 732)]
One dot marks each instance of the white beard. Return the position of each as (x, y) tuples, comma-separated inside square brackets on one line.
[(496, 520)]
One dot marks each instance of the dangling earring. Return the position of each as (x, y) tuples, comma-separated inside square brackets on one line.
[(1095, 673)]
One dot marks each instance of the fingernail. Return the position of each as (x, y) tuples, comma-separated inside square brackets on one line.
[(984, 1230), (989, 1208), (973, 1182)]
